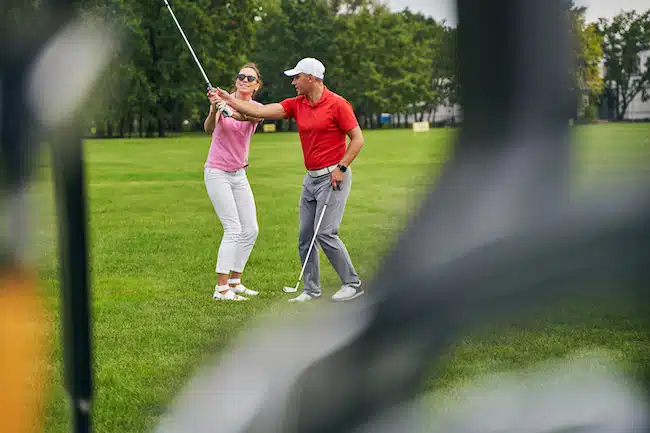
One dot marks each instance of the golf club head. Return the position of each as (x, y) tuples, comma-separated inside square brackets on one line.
[(287, 289)]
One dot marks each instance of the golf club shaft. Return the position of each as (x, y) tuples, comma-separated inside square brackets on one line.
[(188, 45), (227, 111), (313, 239), (311, 245)]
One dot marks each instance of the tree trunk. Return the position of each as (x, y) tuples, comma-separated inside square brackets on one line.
[(99, 131), (161, 128), (177, 119), (130, 120), (150, 128), (622, 108)]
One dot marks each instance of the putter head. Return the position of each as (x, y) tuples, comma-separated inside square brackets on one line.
[(288, 289)]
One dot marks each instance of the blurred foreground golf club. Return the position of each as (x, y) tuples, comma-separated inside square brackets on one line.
[(50, 60)]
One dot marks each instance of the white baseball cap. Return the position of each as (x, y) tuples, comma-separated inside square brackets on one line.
[(309, 66)]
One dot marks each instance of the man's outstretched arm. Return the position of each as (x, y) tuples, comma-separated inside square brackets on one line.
[(252, 109)]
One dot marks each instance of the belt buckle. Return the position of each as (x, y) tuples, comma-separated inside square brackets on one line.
[(324, 170)]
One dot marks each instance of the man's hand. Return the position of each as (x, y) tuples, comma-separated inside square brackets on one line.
[(223, 95), (336, 177), (252, 108)]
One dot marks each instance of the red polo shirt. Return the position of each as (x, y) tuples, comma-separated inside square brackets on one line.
[(322, 127)]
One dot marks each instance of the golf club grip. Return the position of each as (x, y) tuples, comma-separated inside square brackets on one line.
[(227, 111)]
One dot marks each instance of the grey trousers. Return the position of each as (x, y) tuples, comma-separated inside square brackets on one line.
[(312, 201)]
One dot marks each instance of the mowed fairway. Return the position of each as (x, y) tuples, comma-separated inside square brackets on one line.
[(154, 240)]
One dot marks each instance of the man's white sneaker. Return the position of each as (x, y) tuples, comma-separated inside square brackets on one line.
[(347, 293), (243, 290), (228, 296), (303, 297)]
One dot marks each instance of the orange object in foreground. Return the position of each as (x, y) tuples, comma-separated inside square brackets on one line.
[(24, 347)]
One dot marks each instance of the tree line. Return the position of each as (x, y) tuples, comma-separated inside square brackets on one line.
[(402, 63)]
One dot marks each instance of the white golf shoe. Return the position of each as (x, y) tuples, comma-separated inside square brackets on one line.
[(303, 297), (227, 296), (239, 288), (243, 290), (347, 293)]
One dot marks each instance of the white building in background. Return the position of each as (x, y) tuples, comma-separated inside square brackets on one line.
[(444, 113), (637, 109)]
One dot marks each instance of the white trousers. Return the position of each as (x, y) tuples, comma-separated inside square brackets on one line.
[(233, 201)]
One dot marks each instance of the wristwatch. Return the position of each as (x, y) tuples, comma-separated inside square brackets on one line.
[(342, 167)]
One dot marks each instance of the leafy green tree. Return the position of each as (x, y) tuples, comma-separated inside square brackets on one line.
[(273, 51), (587, 55), (444, 73), (155, 81), (360, 78), (289, 30), (624, 37)]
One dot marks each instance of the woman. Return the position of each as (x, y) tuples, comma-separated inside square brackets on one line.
[(228, 187)]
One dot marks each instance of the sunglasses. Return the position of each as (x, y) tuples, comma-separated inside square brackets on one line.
[(250, 78)]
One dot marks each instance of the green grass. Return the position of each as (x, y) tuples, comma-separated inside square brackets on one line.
[(154, 240)]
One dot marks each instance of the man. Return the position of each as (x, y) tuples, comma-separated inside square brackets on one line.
[(324, 119)]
